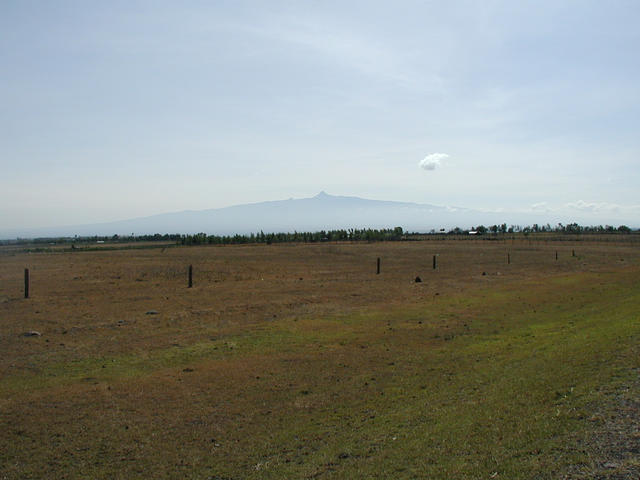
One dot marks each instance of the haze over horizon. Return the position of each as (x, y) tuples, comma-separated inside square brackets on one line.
[(313, 214), (121, 110)]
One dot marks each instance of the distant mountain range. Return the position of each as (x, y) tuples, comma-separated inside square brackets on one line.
[(321, 212)]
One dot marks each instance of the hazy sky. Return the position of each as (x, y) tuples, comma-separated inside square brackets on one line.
[(112, 110)]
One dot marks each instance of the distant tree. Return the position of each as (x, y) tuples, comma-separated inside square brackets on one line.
[(573, 228)]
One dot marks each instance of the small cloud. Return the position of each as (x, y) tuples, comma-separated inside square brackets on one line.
[(541, 207), (607, 211), (593, 207), (433, 160)]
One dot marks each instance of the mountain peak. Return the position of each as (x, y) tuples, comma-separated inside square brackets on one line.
[(322, 194)]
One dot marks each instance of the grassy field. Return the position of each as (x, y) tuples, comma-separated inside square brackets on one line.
[(298, 361)]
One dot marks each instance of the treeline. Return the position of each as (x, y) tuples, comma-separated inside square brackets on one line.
[(342, 235), (382, 235), (157, 237), (571, 228), (352, 234)]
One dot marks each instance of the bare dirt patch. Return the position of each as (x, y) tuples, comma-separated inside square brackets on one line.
[(613, 439)]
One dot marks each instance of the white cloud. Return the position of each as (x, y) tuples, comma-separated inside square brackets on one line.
[(593, 207), (433, 160), (541, 207)]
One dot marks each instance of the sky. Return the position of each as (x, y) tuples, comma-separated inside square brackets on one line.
[(121, 109)]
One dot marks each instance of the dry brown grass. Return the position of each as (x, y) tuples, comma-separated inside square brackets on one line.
[(78, 299)]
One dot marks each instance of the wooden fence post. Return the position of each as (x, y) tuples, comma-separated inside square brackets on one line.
[(190, 276), (556, 255), (435, 262), (26, 283), (508, 258), (378, 266)]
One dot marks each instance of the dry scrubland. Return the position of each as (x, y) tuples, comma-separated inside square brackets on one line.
[(298, 361)]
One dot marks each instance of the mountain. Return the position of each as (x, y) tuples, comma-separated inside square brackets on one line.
[(321, 212)]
